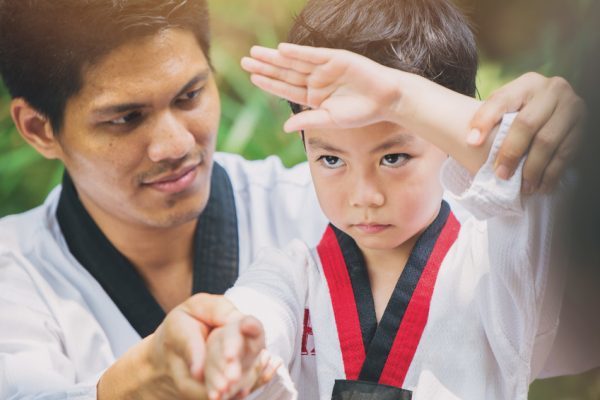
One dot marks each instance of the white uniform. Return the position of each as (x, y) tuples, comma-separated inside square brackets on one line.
[(59, 327), (473, 315)]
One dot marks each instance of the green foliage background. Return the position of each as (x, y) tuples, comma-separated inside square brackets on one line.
[(553, 37)]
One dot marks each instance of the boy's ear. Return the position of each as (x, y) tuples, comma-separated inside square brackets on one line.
[(35, 128)]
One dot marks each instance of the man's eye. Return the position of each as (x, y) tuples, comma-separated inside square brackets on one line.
[(331, 161), (189, 95), (126, 119), (394, 160)]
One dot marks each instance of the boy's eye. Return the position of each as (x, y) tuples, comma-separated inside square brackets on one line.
[(394, 160), (331, 161), (126, 119)]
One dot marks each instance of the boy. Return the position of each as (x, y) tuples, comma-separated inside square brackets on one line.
[(399, 300)]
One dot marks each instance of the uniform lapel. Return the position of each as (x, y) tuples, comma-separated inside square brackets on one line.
[(215, 258), (382, 353)]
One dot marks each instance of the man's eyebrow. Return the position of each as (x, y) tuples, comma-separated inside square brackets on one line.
[(320, 144), (399, 140), (125, 107), (202, 76)]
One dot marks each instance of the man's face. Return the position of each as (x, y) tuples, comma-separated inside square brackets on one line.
[(378, 184), (138, 139)]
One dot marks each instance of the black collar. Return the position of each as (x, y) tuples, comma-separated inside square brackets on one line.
[(215, 252), (379, 338)]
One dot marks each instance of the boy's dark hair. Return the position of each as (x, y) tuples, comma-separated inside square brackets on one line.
[(430, 38), (45, 45)]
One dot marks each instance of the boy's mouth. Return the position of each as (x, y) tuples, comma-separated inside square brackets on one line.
[(371, 228)]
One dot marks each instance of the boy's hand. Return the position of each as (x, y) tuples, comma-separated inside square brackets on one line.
[(236, 361), (323, 80), (547, 128)]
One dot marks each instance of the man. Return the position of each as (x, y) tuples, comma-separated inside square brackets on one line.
[(95, 284)]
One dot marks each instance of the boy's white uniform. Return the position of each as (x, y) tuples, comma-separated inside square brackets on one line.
[(490, 320), (59, 329)]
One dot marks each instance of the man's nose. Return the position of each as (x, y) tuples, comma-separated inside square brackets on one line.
[(171, 139)]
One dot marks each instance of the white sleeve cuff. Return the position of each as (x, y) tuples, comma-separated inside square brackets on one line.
[(486, 195)]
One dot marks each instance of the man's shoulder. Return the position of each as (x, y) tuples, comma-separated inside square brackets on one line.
[(20, 230), (266, 174)]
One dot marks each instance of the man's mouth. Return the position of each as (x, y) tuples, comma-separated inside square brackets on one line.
[(175, 182)]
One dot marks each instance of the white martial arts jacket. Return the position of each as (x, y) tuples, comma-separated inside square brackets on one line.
[(473, 316), (62, 323)]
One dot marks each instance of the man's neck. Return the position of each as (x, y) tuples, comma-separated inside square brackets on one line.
[(163, 256)]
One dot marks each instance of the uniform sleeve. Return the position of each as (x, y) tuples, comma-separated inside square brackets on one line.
[(520, 298), (32, 360), (274, 289)]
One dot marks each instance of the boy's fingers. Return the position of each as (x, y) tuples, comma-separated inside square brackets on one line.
[(251, 328), (233, 341), (310, 119), (284, 90), (270, 366), (314, 55), (279, 73), (274, 57)]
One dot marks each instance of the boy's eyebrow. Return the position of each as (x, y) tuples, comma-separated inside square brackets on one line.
[(320, 144), (399, 140), (122, 108)]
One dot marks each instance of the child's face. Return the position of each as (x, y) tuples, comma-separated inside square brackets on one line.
[(378, 184)]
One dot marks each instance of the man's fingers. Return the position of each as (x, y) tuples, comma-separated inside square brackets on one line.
[(275, 57), (546, 143), (309, 119), (292, 77), (188, 388), (211, 310), (490, 114), (561, 160), (183, 336), (525, 127), (284, 90)]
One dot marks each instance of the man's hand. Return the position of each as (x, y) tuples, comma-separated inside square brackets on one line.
[(169, 363), (547, 129)]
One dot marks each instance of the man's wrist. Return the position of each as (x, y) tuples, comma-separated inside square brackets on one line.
[(132, 376)]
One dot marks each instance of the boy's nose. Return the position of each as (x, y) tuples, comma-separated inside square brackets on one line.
[(367, 194), (171, 140)]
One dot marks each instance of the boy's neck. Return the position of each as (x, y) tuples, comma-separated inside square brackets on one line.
[(384, 268)]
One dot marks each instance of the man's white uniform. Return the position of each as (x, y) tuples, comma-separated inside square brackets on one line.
[(473, 315), (59, 327)]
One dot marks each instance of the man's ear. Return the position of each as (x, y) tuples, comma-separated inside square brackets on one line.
[(35, 128)]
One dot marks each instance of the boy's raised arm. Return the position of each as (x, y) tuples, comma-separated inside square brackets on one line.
[(345, 90)]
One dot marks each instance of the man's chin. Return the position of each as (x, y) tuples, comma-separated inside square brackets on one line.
[(174, 219)]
